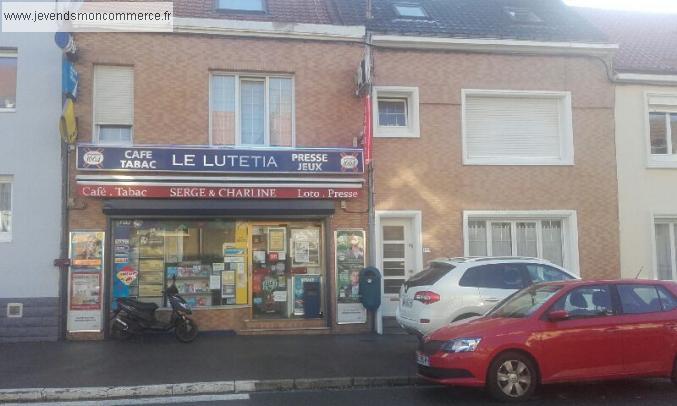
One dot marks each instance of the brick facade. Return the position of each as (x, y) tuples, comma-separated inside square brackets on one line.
[(171, 106), (428, 174)]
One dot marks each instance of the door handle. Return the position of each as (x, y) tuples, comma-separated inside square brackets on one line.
[(492, 299)]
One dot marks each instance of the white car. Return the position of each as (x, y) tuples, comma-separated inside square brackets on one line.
[(453, 289)]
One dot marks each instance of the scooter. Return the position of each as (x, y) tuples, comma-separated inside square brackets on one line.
[(136, 318)]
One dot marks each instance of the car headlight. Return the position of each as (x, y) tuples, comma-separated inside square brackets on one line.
[(461, 345)]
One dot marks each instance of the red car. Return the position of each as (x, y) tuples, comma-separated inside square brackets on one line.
[(559, 332)]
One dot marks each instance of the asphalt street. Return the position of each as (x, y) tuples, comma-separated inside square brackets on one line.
[(654, 393), (638, 392)]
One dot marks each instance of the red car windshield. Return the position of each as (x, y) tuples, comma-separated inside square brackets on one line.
[(525, 302)]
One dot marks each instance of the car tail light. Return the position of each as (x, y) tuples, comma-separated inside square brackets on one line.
[(427, 297)]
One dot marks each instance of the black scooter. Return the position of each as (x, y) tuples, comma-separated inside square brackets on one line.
[(134, 318)]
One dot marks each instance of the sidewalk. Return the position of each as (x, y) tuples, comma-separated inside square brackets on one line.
[(157, 360)]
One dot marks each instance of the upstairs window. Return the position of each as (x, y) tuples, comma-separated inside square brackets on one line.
[(241, 5), (5, 208), (396, 112), (522, 15), (392, 112), (662, 129), (517, 128), (8, 67), (409, 10), (252, 110), (113, 104)]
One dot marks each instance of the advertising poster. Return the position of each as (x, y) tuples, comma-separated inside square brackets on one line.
[(87, 249), (350, 260), (305, 250), (86, 253), (125, 275), (298, 291), (277, 237), (85, 291)]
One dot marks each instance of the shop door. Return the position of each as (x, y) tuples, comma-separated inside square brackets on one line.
[(397, 259)]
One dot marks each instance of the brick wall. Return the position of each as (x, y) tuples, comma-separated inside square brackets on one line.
[(171, 106), (427, 173)]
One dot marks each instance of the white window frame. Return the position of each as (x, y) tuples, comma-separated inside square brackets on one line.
[(570, 255), (566, 128), (412, 129), (266, 79), (8, 53), (666, 103), (664, 218), (7, 236), (95, 125)]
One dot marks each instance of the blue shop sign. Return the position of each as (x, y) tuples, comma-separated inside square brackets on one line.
[(69, 79), (219, 160)]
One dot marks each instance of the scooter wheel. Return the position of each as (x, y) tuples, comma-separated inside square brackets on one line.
[(118, 333), (186, 330)]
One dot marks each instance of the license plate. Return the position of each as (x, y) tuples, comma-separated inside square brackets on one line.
[(422, 359)]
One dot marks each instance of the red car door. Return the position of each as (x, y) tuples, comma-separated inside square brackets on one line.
[(585, 346), (645, 328)]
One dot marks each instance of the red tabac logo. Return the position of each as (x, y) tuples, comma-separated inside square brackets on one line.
[(349, 162), (93, 157)]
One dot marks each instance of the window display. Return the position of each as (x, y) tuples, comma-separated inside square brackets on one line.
[(274, 292), (274, 268)]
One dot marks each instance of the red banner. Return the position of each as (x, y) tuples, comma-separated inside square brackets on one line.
[(215, 192), (368, 129)]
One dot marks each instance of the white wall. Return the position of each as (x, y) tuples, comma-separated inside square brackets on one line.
[(642, 191), (30, 152)]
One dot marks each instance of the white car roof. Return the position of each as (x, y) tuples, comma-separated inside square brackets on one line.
[(464, 260)]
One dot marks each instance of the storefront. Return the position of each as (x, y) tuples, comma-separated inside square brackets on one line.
[(250, 253)]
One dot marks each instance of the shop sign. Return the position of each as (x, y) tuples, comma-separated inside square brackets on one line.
[(215, 192), (349, 253), (219, 160)]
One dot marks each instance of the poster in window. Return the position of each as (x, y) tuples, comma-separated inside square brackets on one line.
[(86, 249), (85, 291), (350, 260), (305, 249), (298, 291), (277, 237)]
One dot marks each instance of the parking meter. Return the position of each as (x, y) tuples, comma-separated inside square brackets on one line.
[(370, 288)]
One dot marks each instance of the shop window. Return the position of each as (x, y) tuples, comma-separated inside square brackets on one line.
[(287, 271), (113, 104), (213, 262), (8, 72), (5, 208), (251, 110)]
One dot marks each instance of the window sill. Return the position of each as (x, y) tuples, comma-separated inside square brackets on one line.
[(661, 163), (5, 238), (6, 110), (516, 162), (395, 132)]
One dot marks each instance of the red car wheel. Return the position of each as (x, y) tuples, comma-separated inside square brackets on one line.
[(512, 377)]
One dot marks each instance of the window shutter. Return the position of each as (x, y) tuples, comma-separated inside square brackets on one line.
[(513, 127), (113, 95)]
